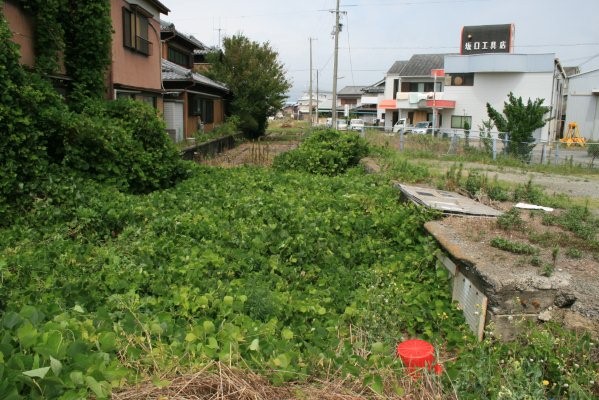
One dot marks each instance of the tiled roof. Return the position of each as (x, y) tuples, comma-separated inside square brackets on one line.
[(422, 64), (351, 91), (378, 87), (166, 26), (206, 50), (397, 67), (175, 72), (161, 7), (418, 65)]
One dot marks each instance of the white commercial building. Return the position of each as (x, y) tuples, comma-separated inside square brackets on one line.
[(583, 107), (475, 80), (450, 90)]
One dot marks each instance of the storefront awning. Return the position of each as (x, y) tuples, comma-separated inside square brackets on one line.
[(388, 104), (441, 103)]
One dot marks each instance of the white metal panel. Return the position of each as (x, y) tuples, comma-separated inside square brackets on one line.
[(472, 301), (173, 116)]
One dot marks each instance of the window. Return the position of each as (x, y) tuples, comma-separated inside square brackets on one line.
[(421, 87), (178, 57), (458, 121), (135, 30), (459, 79), (125, 95), (204, 108), (150, 100)]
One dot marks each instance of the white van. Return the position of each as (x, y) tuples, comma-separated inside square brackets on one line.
[(400, 125), (356, 124)]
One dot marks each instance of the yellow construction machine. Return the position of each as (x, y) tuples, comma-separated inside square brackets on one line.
[(573, 136)]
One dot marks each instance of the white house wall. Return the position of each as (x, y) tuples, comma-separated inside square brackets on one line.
[(493, 88), (583, 105)]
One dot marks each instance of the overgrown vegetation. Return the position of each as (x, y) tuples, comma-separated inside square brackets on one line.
[(122, 143), (277, 272), (78, 35), (325, 152), (292, 275), (538, 364)]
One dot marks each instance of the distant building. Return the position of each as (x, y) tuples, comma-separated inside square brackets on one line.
[(371, 96), (321, 102), (410, 90), (192, 101), (473, 81), (135, 69), (452, 90), (583, 104)]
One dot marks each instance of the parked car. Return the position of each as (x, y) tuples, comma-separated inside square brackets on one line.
[(422, 128), (401, 126), (356, 124)]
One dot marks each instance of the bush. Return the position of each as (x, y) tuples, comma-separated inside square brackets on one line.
[(325, 152), (123, 142)]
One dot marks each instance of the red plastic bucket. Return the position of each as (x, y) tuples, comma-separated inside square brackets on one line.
[(416, 354)]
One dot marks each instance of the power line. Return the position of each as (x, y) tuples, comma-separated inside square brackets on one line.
[(591, 58), (351, 66)]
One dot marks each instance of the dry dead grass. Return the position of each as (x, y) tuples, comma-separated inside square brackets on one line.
[(218, 381)]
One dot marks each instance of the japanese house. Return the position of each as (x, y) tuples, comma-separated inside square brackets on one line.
[(192, 102)]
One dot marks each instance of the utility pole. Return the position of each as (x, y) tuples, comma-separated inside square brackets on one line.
[(219, 30), (317, 96), (335, 64), (310, 102)]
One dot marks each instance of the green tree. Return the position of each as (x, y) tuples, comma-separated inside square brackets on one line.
[(256, 79), (519, 120)]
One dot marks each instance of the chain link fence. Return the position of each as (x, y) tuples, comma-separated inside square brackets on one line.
[(494, 145)]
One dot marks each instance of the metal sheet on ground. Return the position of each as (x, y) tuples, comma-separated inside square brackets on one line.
[(447, 202)]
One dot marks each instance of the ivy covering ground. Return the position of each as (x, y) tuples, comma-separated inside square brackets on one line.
[(247, 266)]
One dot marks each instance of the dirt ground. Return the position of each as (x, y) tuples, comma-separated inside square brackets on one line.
[(249, 153), (585, 187)]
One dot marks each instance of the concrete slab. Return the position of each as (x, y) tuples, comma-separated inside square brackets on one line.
[(491, 291)]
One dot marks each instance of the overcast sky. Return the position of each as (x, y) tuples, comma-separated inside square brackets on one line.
[(376, 33)]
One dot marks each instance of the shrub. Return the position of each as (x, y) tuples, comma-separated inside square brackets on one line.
[(325, 152), (475, 182), (511, 220), (530, 193), (123, 142)]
